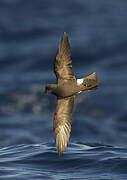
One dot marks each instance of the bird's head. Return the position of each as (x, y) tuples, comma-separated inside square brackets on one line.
[(50, 88)]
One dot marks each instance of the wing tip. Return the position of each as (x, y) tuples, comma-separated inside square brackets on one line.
[(64, 46), (61, 141), (65, 36), (60, 150), (60, 146)]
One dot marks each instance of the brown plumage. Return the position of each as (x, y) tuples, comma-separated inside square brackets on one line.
[(66, 88), (63, 64), (62, 122), (63, 114)]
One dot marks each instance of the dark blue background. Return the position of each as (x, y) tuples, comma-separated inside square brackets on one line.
[(29, 35)]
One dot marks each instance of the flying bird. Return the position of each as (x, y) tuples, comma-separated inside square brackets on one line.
[(65, 89)]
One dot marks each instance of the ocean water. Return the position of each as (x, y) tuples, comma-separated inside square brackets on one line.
[(29, 35)]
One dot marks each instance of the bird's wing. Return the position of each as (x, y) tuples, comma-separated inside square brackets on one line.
[(63, 64), (62, 122)]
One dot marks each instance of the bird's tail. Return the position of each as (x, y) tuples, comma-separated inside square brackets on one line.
[(90, 82)]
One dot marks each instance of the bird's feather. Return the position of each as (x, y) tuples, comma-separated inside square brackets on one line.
[(62, 122), (91, 81), (63, 64)]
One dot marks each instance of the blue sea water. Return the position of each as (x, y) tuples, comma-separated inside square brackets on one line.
[(29, 35)]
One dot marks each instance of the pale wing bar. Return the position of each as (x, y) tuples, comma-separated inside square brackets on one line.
[(62, 122)]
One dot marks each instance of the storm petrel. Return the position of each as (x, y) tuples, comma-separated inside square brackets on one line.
[(65, 89)]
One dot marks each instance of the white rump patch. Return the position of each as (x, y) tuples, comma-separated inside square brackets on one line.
[(80, 81)]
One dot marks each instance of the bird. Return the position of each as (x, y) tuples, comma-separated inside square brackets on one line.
[(65, 90)]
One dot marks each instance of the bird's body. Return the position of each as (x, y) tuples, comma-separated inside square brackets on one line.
[(73, 87), (65, 90)]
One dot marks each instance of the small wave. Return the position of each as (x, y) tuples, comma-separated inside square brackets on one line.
[(80, 160)]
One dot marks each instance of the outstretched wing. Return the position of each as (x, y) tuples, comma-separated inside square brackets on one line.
[(62, 122), (63, 64)]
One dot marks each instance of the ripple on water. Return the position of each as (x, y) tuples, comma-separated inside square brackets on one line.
[(79, 160)]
